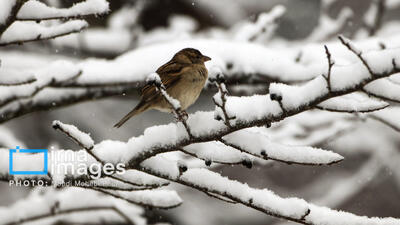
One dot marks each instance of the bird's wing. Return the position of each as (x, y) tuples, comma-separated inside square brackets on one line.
[(170, 73)]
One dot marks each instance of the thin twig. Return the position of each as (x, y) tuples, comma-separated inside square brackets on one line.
[(223, 92), (131, 201), (63, 18), (352, 110), (330, 65), (384, 121), (27, 81), (266, 157), (69, 211), (208, 161), (12, 16), (358, 53)]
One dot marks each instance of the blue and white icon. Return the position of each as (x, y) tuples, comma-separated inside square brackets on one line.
[(29, 153)]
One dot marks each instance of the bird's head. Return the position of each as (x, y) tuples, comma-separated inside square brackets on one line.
[(190, 55)]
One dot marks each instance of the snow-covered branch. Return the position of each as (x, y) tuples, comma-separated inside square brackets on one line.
[(219, 98), (58, 72), (328, 27), (147, 152), (293, 101), (83, 139), (374, 16), (52, 206), (262, 29), (35, 10), (14, 29)]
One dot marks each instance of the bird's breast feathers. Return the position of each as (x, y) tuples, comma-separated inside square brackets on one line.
[(190, 86)]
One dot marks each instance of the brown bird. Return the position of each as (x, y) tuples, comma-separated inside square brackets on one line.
[(183, 76)]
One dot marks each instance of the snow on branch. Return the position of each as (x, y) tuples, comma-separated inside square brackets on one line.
[(8, 13), (374, 16), (21, 32), (13, 30), (161, 199), (355, 102), (83, 139), (13, 78), (328, 27), (101, 78), (384, 89), (260, 109), (240, 62), (256, 143), (263, 200), (263, 28), (292, 209), (125, 182), (249, 111), (231, 57), (54, 205), (58, 72), (8, 139), (146, 152), (219, 98), (35, 10), (392, 4), (313, 128), (215, 152), (50, 98)]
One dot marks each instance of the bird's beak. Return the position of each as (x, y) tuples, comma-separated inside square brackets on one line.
[(206, 58)]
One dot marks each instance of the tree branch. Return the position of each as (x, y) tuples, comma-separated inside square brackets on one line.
[(73, 210)]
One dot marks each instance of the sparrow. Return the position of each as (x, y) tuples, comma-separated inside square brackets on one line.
[(184, 76)]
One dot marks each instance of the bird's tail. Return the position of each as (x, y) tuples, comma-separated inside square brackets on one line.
[(141, 107)]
